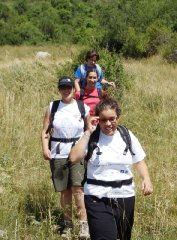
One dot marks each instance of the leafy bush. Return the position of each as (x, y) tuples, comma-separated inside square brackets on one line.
[(157, 34), (135, 44), (135, 28), (169, 50), (4, 12), (21, 6)]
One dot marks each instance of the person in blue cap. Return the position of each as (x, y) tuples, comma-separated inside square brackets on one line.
[(63, 126)]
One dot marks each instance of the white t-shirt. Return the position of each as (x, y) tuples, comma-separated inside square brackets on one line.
[(67, 124), (112, 165)]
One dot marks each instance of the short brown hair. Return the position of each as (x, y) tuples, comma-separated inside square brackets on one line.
[(92, 53)]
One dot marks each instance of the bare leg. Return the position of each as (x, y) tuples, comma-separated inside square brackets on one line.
[(79, 201), (66, 204)]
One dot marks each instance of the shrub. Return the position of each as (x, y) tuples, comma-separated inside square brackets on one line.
[(169, 50), (135, 44), (158, 34)]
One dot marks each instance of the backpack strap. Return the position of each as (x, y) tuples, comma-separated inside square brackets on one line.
[(84, 95), (100, 93), (82, 70), (98, 68), (54, 108), (94, 138), (82, 82), (81, 107), (127, 139), (92, 144)]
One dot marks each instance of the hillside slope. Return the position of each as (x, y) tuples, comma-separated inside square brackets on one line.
[(149, 110)]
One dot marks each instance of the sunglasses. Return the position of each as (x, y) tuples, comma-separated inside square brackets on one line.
[(111, 119), (104, 120)]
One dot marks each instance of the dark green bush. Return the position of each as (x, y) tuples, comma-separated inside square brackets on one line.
[(157, 34), (169, 50), (4, 12), (135, 45)]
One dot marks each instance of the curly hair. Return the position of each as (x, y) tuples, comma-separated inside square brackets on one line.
[(107, 103)]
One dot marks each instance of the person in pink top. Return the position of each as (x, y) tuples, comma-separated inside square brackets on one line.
[(90, 95)]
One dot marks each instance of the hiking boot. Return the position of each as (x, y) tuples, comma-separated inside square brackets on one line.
[(84, 231), (67, 230)]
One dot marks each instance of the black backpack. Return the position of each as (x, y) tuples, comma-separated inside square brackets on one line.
[(84, 95), (52, 115), (94, 138)]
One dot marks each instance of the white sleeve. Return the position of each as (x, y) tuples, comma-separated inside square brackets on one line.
[(50, 106), (137, 149), (87, 109)]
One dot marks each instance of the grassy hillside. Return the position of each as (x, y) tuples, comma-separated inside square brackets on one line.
[(150, 110), (29, 207)]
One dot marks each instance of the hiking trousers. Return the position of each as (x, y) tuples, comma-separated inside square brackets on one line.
[(110, 218)]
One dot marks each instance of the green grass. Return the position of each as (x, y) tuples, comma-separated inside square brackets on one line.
[(29, 207)]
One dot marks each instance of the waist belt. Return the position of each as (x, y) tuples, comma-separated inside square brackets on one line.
[(113, 184), (64, 140)]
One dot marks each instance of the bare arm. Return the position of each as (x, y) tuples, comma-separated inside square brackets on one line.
[(142, 170), (110, 83), (76, 84), (78, 151), (45, 137)]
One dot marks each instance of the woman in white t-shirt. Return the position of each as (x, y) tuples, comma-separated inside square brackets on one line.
[(61, 129), (109, 189)]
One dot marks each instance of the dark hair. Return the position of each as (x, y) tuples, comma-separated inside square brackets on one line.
[(92, 53), (107, 103), (91, 70)]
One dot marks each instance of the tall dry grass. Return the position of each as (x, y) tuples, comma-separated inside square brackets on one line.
[(27, 87), (29, 207), (150, 110)]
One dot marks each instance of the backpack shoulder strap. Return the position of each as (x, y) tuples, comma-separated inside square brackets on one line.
[(124, 132), (92, 144), (82, 70), (99, 90), (98, 68), (82, 94), (81, 108), (54, 108), (82, 82)]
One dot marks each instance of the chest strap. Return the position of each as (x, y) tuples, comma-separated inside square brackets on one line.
[(64, 140), (113, 184)]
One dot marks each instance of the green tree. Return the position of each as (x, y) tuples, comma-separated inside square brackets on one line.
[(4, 12)]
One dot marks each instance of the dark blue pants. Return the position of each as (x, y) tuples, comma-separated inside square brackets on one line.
[(110, 219)]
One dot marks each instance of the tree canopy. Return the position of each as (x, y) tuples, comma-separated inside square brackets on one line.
[(135, 28)]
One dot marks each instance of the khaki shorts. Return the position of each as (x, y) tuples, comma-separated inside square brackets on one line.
[(66, 175)]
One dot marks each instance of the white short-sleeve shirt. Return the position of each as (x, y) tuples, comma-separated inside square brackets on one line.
[(67, 123), (112, 165)]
